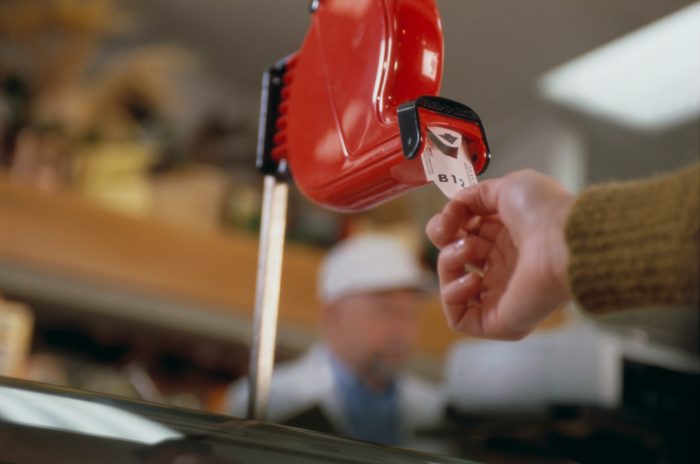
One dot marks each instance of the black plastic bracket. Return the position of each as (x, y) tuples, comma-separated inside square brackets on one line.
[(410, 127), (270, 98)]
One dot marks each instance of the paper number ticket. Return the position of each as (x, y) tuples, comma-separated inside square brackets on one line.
[(446, 162)]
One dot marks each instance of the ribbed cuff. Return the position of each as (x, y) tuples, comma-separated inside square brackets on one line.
[(636, 244)]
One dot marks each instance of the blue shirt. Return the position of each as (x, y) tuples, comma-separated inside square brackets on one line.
[(369, 415)]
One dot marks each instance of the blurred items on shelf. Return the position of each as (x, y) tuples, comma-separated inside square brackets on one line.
[(145, 129), (195, 195), (89, 103), (47, 47), (16, 325), (115, 175)]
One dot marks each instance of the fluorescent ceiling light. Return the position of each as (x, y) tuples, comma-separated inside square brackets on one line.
[(648, 79)]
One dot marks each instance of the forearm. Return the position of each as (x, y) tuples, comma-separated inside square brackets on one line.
[(636, 244)]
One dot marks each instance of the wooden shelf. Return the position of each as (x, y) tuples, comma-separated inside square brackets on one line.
[(63, 249)]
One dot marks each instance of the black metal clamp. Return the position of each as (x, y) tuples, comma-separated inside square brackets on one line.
[(410, 126), (270, 99)]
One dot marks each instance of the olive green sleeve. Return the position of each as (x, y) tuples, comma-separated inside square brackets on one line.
[(636, 244)]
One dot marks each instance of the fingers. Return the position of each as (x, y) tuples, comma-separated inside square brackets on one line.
[(469, 305), (465, 212), (479, 322), (489, 228), (460, 288), (450, 225), (458, 297), (470, 250), (467, 221), (466, 313), (443, 228), (481, 199)]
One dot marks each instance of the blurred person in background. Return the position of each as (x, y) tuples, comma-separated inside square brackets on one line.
[(514, 250), (354, 382)]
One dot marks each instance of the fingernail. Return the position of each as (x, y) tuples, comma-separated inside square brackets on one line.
[(460, 244)]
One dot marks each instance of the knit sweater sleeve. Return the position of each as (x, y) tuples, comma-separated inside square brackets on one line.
[(636, 244)]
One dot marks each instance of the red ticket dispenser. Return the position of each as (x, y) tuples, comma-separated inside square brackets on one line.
[(347, 113)]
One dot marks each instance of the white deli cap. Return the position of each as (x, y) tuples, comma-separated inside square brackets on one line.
[(368, 263)]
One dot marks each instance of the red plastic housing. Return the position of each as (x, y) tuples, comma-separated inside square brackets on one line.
[(337, 130)]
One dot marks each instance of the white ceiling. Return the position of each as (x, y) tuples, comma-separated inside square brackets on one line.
[(495, 50)]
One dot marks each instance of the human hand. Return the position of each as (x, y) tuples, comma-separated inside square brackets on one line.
[(512, 228)]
